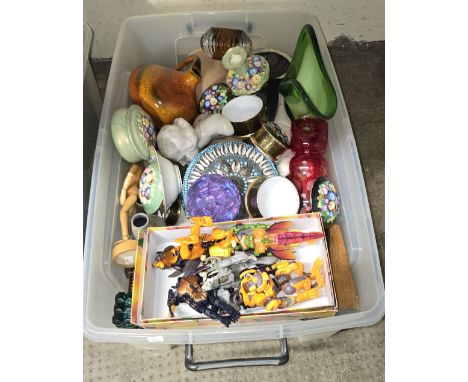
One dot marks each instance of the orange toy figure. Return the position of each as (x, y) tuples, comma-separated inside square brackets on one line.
[(167, 258), (172, 255), (194, 239)]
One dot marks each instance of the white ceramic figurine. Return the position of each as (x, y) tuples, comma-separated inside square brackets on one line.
[(210, 126), (178, 141), (181, 142)]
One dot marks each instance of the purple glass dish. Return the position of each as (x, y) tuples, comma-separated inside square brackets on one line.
[(213, 195)]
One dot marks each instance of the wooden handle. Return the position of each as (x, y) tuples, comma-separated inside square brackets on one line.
[(343, 276), (193, 61)]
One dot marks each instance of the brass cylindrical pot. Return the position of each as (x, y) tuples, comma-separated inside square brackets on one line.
[(247, 128), (270, 140)]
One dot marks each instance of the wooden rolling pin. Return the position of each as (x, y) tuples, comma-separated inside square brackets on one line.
[(343, 277)]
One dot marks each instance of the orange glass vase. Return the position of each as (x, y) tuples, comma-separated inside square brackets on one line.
[(165, 93)]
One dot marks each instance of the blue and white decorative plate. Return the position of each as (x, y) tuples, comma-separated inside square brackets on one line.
[(239, 161)]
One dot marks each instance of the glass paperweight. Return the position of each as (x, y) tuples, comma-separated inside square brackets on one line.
[(307, 88)]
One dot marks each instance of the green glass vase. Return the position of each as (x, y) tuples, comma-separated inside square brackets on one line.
[(307, 88)]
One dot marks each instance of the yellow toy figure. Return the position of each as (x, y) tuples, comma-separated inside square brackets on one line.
[(262, 288), (258, 289), (302, 287), (171, 255), (225, 247), (285, 267)]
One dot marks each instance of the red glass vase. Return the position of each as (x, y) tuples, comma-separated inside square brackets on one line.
[(309, 142)]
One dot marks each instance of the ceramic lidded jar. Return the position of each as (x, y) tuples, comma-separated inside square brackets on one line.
[(166, 93), (133, 133), (246, 74)]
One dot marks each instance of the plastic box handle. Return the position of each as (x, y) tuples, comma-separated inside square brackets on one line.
[(237, 362)]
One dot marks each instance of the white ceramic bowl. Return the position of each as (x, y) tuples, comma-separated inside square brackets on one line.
[(245, 113), (277, 196), (160, 184), (171, 179)]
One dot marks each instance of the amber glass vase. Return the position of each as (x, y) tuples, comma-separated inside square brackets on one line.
[(165, 93)]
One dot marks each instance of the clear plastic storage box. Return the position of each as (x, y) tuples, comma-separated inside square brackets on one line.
[(164, 40)]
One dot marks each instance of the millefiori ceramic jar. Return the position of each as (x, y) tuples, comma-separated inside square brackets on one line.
[(214, 98), (246, 74)]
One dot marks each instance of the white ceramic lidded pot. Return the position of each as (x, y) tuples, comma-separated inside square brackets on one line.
[(133, 133)]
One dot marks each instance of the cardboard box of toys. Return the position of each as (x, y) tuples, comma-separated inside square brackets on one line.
[(232, 273)]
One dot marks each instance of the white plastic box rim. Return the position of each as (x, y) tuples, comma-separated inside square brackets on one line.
[(355, 220)]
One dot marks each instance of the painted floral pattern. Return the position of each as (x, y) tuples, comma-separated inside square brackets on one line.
[(146, 126), (251, 80), (214, 99), (147, 179), (328, 201)]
